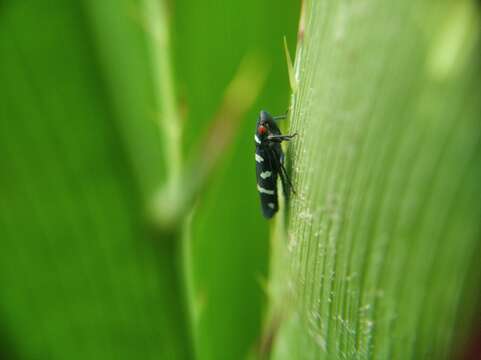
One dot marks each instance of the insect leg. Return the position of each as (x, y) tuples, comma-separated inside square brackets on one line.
[(285, 178), (286, 182), (280, 138), (281, 117)]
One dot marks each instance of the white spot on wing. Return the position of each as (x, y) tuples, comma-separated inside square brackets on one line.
[(259, 158), (265, 174), (271, 205), (256, 139), (265, 191)]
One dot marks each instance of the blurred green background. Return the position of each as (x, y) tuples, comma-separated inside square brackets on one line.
[(83, 272), (378, 253)]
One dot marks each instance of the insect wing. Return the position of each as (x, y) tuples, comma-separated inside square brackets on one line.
[(266, 172)]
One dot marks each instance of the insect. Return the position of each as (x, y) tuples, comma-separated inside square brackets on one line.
[(270, 162)]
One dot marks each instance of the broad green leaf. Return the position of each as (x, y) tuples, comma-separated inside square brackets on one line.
[(82, 274), (383, 235)]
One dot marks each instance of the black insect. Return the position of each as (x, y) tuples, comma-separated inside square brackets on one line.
[(270, 162)]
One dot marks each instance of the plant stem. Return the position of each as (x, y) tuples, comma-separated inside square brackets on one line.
[(169, 120)]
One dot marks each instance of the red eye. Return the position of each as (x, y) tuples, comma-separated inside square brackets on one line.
[(261, 130)]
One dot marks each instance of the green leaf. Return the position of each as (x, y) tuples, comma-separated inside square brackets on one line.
[(383, 234), (82, 274)]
